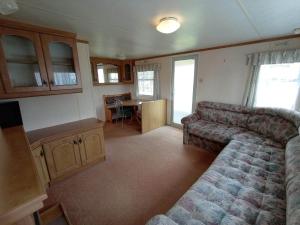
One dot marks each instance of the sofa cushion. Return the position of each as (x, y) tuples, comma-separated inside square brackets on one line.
[(224, 116), (161, 220), (255, 138), (213, 131), (293, 181), (244, 185), (274, 127)]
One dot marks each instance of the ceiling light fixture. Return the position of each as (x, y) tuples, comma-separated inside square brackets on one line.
[(168, 25), (297, 31), (8, 7)]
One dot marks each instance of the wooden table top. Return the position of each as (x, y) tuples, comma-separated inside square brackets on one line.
[(132, 102), (35, 137), (20, 188)]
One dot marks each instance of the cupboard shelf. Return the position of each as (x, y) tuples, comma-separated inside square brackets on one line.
[(62, 64), (22, 61)]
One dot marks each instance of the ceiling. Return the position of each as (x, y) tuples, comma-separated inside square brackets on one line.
[(126, 28)]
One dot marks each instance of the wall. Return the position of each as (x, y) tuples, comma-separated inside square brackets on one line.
[(222, 73), (44, 111)]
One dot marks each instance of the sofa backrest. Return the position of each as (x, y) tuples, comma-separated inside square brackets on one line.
[(275, 127), (292, 180), (278, 124), (234, 115)]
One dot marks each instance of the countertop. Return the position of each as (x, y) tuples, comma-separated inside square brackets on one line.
[(37, 137), (21, 192)]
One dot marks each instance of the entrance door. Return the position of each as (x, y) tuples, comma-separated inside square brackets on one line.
[(183, 87)]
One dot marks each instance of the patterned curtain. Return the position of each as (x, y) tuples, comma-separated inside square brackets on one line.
[(255, 60), (156, 86)]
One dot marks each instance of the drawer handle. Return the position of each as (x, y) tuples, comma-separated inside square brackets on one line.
[(80, 140), (75, 142)]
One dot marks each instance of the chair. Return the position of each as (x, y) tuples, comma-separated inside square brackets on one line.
[(121, 112)]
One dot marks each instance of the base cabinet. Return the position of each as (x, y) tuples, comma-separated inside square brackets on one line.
[(40, 163), (69, 154), (62, 156), (91, 146)]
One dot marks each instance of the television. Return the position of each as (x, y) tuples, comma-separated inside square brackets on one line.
[(10, 114)]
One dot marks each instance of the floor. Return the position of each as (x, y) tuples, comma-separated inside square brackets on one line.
[(143, 175)]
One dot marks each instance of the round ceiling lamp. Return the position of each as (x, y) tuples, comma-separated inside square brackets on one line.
[(168, 25), (8, 7)]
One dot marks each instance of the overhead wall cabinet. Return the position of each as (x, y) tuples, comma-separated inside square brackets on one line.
[(37, 61), (112, 71), (127, 71), (62, 62)]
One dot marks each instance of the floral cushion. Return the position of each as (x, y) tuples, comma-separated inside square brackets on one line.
[(277, 128), (213, 131), (293, 181), (223, 116), (252, 137), (161, 220), (244, 185)]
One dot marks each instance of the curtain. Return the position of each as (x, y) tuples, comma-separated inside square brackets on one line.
[(156, 86), (255, 60)]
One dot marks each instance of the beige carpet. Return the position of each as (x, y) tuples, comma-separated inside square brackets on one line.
[(143, 175)]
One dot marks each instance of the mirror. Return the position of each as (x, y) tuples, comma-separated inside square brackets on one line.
[(107, 73)]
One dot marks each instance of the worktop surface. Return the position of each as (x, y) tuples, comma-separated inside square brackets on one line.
[(36, 137), (19, 183)]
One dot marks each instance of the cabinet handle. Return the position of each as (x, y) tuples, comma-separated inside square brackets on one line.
[(75, 142), (45, 83), (42, 153), (52, 82), (80, 140)]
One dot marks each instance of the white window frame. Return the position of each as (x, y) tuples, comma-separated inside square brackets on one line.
[(296, 106), (153, 80)]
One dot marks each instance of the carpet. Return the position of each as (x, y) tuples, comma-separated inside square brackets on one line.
[(143, 175)]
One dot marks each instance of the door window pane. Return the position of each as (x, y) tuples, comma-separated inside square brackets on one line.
[(22, 62), (278, 86), (62, 64), (183, 89)]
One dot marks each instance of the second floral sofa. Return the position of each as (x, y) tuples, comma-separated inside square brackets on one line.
[(256, 177), (213, 125)]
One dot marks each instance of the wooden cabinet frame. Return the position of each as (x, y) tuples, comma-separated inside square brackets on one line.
[(46, 40), (34, 37), (121, 65), (69, 147), (35, 33), (89, 142), (55, 163), (131, 63)]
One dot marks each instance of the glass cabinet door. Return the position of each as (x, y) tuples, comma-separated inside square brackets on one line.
[(62, 62), (22, 63)]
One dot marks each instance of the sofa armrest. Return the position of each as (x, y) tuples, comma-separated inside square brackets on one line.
[(161, 220), (190, 119)]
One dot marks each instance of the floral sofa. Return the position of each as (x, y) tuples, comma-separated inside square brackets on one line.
[(256, 177)]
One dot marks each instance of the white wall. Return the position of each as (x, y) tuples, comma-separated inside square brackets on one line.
[(44, 111), (222, 73)]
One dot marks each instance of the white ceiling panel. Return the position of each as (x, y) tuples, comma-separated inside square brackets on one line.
[(126, 28), (274, 17)]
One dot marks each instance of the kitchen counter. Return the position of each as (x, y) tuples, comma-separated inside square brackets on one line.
[(21, 192)]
